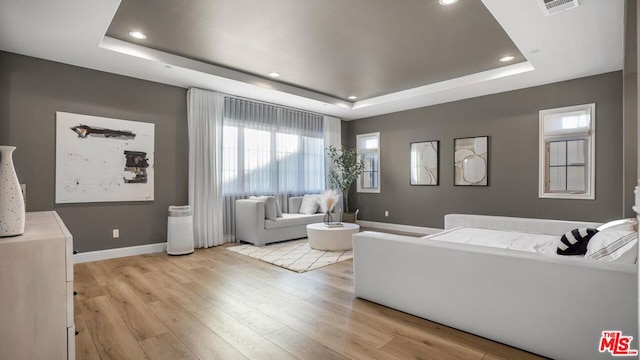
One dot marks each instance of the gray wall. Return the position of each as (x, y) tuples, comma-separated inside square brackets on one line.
[(630, 104), (511, 121), (344, 132), (32, 90)]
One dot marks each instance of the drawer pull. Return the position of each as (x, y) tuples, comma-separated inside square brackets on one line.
[(77, 332), (75, 252), (75, 293)]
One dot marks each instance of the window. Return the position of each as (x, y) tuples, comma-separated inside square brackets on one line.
[(269, 150), (567, 152), (369, 151)]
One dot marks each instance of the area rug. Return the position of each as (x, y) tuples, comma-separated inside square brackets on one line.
[(293, 255)]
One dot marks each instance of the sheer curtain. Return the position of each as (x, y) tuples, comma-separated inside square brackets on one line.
[(332, 137), (269, 150), (204, 118)]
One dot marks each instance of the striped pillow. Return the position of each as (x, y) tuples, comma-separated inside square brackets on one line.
[(575, 241), (613, 245)]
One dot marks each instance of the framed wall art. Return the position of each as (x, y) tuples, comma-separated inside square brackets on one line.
[(103, 160), (425, 159), (471, 163)]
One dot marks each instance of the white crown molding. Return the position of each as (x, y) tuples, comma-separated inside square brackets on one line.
[(143, 52), (450, 84)]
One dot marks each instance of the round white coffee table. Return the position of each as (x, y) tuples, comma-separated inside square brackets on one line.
[(331, 238)]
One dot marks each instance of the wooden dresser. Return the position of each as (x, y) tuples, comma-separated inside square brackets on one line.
[(36, 291)]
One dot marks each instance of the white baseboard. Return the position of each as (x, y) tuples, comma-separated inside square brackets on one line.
[(119, 252), (398, 227)]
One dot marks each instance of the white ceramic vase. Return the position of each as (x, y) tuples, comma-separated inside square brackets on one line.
[(11, 201)]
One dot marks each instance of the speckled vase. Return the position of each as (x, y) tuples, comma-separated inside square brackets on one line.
[(11, 201)]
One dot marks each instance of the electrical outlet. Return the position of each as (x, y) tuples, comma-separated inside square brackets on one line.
[(386, 213), (116, 233)]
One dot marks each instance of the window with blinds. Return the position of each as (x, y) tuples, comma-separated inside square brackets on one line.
[(270, 150)]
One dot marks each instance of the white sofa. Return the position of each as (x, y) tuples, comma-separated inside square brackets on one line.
[(253, 227), (546, 304)]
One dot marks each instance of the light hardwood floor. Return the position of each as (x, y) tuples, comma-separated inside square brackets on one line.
[(216, 304)]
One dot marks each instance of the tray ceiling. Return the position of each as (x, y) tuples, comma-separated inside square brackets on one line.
[(326, 50), (341, 48)]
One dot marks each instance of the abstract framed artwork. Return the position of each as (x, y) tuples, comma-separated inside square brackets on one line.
[(103, 160), (425, 164), (471, 161)]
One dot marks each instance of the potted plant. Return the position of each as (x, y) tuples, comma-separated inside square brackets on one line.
[(345, 169)]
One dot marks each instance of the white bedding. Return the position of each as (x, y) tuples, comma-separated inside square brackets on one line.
[(503, 239)]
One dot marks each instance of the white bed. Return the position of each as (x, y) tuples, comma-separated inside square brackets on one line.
[(499, 239), (509, 287)]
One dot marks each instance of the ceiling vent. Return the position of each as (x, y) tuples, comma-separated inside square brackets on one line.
[(551, 7)]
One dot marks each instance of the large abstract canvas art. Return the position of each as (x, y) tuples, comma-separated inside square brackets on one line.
[(103, 160), (471, 166)]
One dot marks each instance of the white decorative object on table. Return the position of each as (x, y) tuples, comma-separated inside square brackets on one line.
[(327, 202), (11, 201), (331, 238)]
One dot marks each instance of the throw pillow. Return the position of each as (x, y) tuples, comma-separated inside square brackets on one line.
[(278, 210), (613, 244), (575, 241), (269, 206), (309, 205)]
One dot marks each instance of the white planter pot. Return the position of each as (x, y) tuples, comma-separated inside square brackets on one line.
[(11, 201)]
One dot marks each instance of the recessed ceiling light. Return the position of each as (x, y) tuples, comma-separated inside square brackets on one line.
[(447, 2), (352, 97), (507, 58), (137, 35), (274, 74)]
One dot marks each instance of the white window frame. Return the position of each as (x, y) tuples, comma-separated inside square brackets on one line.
[(590, 163), (361, 152)]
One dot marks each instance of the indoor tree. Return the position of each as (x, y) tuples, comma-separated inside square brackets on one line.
[(345, 169)]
